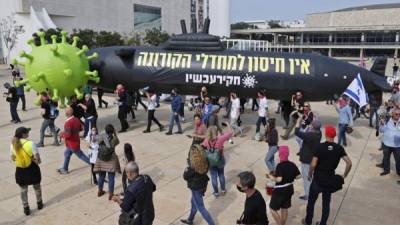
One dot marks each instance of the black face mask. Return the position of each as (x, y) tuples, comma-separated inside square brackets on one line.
[(239, 188)]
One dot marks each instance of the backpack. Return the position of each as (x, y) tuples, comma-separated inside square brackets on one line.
[(105, 150), (53, 111), (214, 157)]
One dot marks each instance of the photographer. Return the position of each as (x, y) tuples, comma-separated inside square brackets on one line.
[(12, 98), (298, 106), (255, 211)]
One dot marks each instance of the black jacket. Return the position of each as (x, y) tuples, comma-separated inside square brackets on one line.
[(139, 196), (196, 181), (310, 141)]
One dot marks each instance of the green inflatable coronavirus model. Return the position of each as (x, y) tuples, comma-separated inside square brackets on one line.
[(60, 69)]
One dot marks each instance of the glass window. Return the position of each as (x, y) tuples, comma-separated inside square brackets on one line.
[(146, 17)]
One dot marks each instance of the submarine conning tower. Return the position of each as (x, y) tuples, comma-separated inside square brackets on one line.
[(194, 41)]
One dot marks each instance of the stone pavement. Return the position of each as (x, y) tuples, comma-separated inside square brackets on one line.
[(367, 198)]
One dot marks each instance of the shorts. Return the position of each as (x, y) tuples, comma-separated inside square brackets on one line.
[(280, 201)]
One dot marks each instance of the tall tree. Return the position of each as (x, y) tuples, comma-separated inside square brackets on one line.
[(155, 37), (9, 31)]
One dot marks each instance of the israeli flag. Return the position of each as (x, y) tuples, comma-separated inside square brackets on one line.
[(356, 91)]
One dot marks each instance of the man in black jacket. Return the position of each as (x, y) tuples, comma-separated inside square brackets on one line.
[(310, 140), (138, 198)]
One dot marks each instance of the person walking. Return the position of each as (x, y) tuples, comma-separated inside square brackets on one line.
[(72, 127), (207, 108), (235, 114), (21, 93), (122, 107), (129, 156), (92, 140), (138, 100), (262, 110), (100, 93), (255, 211), (90, 114), (27, 159), (196, 177), (345, 119), (310, 140), (199, 132), (151, 109), (107, 160), (391, 135), (285, 174), (137, 205), (175, 107), (297, 104), (214, 144), (272, 140), (49, 113), (322, 172), (12, 99)]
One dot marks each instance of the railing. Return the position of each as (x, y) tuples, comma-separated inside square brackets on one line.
[(339, 43)]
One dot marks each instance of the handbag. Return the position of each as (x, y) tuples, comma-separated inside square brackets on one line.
[(348, 129), (214, 157), (127, 218)]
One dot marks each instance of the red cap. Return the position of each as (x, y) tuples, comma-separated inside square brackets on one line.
[(330, 131)]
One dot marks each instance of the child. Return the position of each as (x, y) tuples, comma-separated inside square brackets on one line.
[(93, 143), (129, 157)]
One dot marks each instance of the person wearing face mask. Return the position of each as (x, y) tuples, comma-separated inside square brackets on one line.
[(175, 106), (286, 172), (137, 205), (255, 211), (199, 132)]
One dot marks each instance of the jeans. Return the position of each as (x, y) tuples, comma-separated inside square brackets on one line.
[(67, 156), (22, 97), (150, 118), (315, 190), (198, 205), (172, 118), (111, 181), (13, 111), (387, 152), (270, 157), (235, 126), (307, 183), (48, 123), (89, 124), (259, 121), (342, 134), (217, 172)]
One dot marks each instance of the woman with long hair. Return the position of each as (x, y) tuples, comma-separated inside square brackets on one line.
[(129, 156), (26, 157), (197, 180), (214, 144), (93, 144), (272, 140), (107, 160)]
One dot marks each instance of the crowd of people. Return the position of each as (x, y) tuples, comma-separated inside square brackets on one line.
[(318, 160)]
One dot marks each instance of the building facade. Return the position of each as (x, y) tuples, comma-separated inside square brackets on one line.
[(351, 33), (123, 16)]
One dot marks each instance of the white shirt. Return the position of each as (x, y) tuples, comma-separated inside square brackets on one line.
[(152, 102), (262, 107), (235, 108)]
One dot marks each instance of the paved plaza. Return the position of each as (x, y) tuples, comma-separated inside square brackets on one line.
[(367, 198)]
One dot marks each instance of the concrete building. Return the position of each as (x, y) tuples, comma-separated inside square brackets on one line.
[(351, 33), (123, 16)]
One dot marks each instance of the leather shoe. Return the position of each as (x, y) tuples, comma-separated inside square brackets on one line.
[(100, 193), (384, 173)]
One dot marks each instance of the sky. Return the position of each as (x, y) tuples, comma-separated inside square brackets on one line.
[(288, 10)]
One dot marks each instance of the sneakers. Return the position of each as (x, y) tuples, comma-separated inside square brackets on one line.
[(187, 222), (100, 193), (27, 211), (40, 205), (179, 132), (146, 131), (216, 194), (55, 144), (39, 145), (384, 173), (168, 133), (161, 128), (62, 171), (122, 131), (223, 193)]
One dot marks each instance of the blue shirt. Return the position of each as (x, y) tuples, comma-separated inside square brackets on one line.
[(391, 133), (20, 90), (176, 103), (345, 115)]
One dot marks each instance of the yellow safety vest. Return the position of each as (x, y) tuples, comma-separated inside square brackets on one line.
[(23, 157)]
